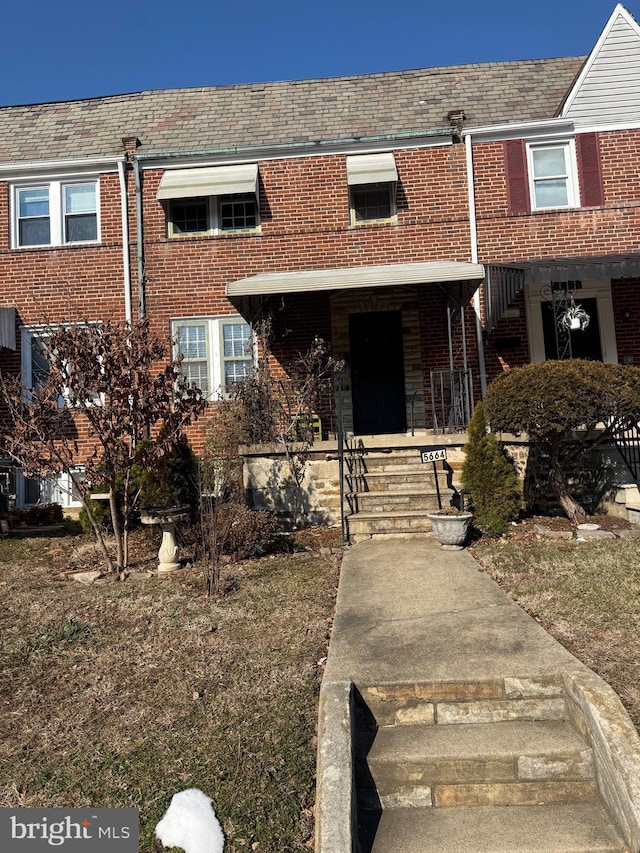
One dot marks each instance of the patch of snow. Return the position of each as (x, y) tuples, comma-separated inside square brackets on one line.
[(190, 822)]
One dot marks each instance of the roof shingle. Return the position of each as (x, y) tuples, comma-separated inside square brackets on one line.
[(175, 120)]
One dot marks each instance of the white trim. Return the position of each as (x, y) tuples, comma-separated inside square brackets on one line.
[(593, 289), (606, 128), (57, 216), (56, 168), (544, 129), (619, 11), (573, 191)]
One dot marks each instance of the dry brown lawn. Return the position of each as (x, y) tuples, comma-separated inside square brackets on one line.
[(123, 693), (586, 595)]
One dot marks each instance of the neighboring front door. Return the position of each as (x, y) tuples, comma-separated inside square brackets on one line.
[(584, 343), (377, 372)]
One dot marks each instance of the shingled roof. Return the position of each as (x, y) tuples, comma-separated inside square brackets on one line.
[(175, 120)]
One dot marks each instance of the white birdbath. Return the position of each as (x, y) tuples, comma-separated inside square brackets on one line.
[(167, 518)]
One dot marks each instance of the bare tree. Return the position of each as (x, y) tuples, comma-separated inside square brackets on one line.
[(109, 402)]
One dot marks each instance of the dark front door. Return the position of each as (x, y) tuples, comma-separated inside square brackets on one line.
[(585, 343), (377, 372)]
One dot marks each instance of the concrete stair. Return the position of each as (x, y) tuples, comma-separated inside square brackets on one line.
[(390, 493), (461, 769)]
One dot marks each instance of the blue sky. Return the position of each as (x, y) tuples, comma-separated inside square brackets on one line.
[(80, 48)]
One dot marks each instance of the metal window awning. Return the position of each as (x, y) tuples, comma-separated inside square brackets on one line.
[(206, 181), (8, 328), (387, 275), (371, 169), (503, 282)]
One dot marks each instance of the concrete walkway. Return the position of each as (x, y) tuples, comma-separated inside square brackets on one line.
[(409, 611), (410, 614)]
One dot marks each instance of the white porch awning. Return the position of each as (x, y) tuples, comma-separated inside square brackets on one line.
[(371, 168), (206, 181), (388, 275)]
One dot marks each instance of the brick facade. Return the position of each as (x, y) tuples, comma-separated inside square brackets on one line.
[(442, 212)]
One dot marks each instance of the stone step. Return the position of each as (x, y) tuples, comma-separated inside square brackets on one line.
[(405, 521), (572, 828), (493, 700), (496, 763), (392, 501), (396, 480)]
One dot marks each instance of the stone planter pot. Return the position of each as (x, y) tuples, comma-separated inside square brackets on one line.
[(451, 530)]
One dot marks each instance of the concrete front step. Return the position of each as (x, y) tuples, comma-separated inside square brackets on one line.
[(572, 828), (365, 524), (394, 501), (459, 703), (398, 481), (495, 763)]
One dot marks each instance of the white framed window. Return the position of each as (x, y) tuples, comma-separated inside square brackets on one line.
[(217, 352), (553, 177), (212, 215), (56, 213), (35, 367)]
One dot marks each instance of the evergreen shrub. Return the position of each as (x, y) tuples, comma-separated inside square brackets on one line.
[(490, 478)]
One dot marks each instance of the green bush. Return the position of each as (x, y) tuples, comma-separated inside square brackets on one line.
[(490, 478), (566, 408), (173, 483)]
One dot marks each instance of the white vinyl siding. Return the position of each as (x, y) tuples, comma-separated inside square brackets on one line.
[(608, 91)]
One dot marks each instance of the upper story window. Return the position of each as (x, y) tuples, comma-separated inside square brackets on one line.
[(553, 175), (372, 180), (213, 200), (217, 352), (55, 213)]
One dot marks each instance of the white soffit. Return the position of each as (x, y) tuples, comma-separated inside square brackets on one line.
[(371, 168), (388, 275), (206, 181)]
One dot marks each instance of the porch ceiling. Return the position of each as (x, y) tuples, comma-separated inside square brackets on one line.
[(387, 275)]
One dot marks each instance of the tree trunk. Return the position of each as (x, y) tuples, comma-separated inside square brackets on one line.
[(99, 537), (117, 532), (574, 512)]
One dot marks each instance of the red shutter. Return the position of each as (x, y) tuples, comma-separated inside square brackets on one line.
[(588, 149), (515, 157)]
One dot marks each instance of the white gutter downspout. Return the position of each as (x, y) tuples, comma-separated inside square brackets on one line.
[(473, 234), (126, 261), (140, 246)]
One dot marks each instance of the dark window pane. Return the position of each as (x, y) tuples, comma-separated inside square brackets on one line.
[(238, 211), (371, 201), (81, 228), (189, 217), (34, 232)]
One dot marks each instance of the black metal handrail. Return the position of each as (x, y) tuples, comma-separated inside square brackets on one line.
[(627, 440)]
